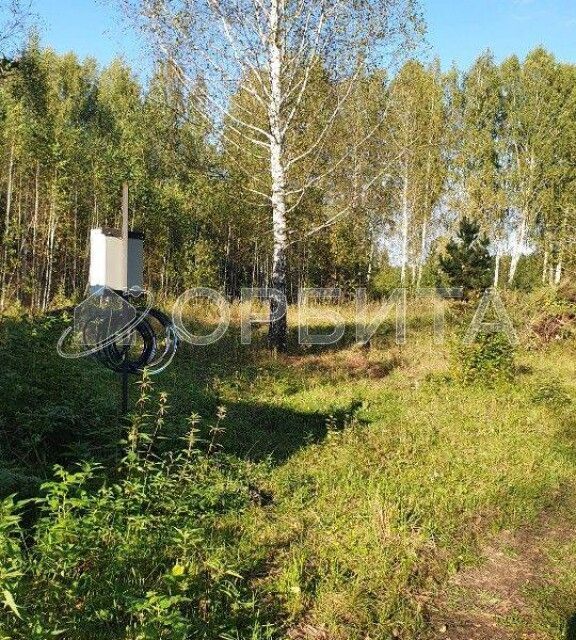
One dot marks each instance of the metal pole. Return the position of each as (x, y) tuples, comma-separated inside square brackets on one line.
[(125, 374), (125, 235), (125, 377)]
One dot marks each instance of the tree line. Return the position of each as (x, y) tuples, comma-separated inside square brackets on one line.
[(405, 158)]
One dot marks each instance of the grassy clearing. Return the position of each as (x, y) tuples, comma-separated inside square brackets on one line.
[(383, 511), (367, 477)]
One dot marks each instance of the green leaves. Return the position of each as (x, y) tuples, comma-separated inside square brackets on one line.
[(490, 359), (142, 555), (8, 600)]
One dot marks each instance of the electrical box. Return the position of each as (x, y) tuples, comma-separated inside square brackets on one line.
[(107, 260)]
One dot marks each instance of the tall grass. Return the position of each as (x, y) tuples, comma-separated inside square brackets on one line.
[(332, 497)]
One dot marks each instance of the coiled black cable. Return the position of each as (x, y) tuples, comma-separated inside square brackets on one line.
[(150, 343)]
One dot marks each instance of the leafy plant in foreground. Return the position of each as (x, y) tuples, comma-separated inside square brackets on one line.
[(141, 558)]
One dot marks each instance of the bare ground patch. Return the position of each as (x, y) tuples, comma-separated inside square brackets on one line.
[(490, 601)]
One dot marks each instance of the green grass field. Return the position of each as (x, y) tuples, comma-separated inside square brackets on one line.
[(347, 494)]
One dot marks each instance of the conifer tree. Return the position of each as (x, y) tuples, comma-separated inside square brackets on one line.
[(467, 262)]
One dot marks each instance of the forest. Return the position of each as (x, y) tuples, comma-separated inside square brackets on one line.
[(494, 143)]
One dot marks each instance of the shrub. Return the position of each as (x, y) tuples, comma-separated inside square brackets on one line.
[(385, 281), (491, 358), (552, 393)]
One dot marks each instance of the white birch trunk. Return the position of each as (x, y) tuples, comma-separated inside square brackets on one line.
[(7, 224), (227, 258), (497, 270), (35, 233), (370, 263), (545, 267), (560, 259), (558, 271), (75, 247), (518, 249), (50, 253), (405, 226), (423, 239), (277, 335), (9, 190)]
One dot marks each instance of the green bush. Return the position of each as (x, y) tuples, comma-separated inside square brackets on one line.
[(144, 557), (385, 280), (489, 359), (52, 410)]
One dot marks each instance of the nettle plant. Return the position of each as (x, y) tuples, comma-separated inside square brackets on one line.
[(139, 557)]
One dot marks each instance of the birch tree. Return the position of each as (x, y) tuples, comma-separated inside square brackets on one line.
[(558, 200), (532, 104), (14, 18), (477, 173), (414, 133), (271, 47)]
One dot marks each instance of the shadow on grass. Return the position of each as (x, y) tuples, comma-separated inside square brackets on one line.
[(260, 431), (55, 411), (231, 374), (571, 628)]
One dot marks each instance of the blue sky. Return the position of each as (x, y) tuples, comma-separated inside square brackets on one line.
[(458, 30), (88, 27)]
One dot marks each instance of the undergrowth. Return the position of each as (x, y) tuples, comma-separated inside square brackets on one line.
[(143, 557), (332, 498)]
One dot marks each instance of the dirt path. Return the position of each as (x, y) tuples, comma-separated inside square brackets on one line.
[(492, 601)]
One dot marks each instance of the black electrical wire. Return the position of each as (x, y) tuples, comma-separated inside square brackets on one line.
[(144, 346)]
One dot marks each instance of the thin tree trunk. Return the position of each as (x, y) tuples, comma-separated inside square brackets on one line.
[(50, 253), (278, 329), (545, 267), (50, 247), (405, 226), (560, 258), (7, 225), (75, 247), (227, 258), (20, 248), (518, 249), (497, 269), (255, 265), (422, 251), (35, 278), (370, 263), (558, 270)]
